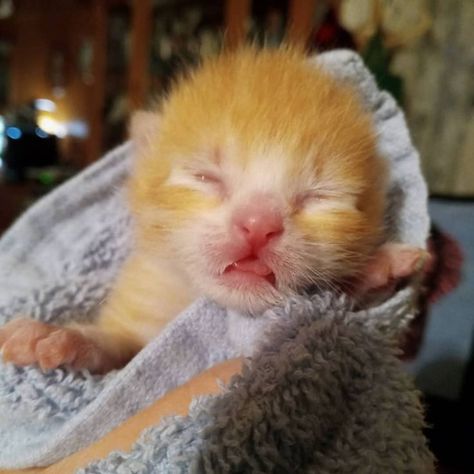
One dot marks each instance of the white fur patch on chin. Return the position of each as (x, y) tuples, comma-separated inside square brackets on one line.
[(242, 301)]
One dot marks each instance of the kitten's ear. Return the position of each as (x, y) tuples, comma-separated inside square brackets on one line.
[(144, 128)]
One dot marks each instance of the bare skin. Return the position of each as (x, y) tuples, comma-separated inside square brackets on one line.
[(124, 436)]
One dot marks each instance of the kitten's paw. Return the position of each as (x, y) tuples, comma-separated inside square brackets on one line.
[(26, 342), (66, 346), (392, 263), (18, 340)]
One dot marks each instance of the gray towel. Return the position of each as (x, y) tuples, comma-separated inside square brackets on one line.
[(59, 261), (325, 394)]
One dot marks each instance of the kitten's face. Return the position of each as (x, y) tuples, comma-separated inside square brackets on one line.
[(259, 189)]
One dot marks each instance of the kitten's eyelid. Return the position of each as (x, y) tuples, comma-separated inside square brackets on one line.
[(207, 177), (212, 181), (313, 201), (312, 196)]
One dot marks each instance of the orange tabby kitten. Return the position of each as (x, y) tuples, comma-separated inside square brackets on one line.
[(258, 177)]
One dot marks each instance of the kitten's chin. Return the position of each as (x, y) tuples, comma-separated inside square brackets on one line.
[(249, 294)]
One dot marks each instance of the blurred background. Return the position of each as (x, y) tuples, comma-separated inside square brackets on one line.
[(72, 72)]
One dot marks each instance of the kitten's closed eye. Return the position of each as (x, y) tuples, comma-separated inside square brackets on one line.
[(214, 181), (309, 198), (324, 200), (205, 177)]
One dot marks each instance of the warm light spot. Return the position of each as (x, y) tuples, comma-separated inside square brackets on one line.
[(52, 126), (45, 105)]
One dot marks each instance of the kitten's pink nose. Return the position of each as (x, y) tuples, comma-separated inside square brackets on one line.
[(258, 222)]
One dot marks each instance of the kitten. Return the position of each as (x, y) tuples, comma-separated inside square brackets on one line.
[(258, 177)]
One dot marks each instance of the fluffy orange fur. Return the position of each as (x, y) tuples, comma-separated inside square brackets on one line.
[(244, 127), (251, 101), (261, 99)]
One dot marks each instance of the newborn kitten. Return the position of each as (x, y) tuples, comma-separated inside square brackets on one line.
[(258, 177)]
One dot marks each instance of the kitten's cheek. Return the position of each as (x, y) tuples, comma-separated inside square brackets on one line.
[(219, 190), (305, 224)]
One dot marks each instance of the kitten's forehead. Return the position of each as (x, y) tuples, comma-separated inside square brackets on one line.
[(266, 167), (264, 173)]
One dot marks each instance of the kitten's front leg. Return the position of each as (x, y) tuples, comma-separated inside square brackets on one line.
[(26, 341), (146, 296), (391, 263)]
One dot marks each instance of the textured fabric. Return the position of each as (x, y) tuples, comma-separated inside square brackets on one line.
[(324, 394), (59, 261)]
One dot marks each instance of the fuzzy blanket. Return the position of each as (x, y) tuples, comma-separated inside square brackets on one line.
[(323, 391)]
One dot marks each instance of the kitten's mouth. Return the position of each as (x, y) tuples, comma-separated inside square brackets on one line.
[(249, 267)]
